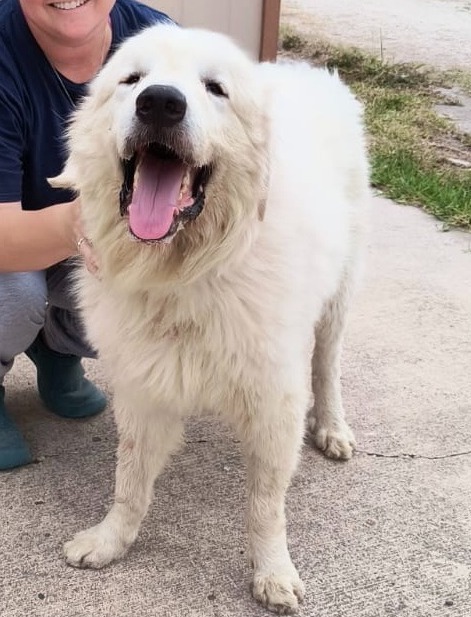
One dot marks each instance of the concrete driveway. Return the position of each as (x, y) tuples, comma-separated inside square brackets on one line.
[(387, 534), (433, 32)]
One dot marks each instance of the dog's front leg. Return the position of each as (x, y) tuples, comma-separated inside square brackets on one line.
[(272, 441), (146, 439), (326, 420)]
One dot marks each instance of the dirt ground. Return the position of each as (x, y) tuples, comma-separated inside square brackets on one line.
[(434, 32)]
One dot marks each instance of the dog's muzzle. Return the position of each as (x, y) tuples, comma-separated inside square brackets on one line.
[(161, 190)]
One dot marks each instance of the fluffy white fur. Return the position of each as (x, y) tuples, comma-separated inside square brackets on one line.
[(222, 318)]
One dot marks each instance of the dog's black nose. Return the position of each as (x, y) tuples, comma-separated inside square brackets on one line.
[(161, 106)]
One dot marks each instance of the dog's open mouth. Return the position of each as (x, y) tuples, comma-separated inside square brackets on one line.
[(161, 192)]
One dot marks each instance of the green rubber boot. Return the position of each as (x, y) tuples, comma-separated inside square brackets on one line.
[(14, 451), (62, 384)]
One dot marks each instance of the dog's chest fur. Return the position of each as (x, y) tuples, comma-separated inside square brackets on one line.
[(192, 348)]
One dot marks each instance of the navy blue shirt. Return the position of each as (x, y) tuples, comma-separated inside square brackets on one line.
[(34, 106)]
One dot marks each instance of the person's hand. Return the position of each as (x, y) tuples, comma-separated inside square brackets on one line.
[(83, 244), (85, 250)]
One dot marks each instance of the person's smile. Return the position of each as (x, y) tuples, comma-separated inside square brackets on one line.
[(67, 6)]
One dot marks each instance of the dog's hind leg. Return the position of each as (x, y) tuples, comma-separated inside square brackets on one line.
[(146, 440), (326, 421), (272, 441)]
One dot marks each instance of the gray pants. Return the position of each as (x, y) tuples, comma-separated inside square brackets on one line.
[(34, 301)]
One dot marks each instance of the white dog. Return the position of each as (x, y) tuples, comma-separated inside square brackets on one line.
[(225, 200)]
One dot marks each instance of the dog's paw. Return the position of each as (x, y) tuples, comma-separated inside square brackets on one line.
[(279, 592), (94, 548), (336, 441)]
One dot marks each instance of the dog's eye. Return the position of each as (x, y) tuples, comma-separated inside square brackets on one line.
[(131, 79), (214, 87)]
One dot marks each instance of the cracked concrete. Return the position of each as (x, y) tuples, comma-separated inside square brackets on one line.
[(459, 110), (404, 455)]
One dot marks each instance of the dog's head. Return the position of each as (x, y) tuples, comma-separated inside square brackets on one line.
[(169, 153)]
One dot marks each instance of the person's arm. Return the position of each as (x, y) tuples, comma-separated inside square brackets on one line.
[(29, 239), (35, 240)]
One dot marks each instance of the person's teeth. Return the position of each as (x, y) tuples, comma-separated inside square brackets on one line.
[(65, 6)]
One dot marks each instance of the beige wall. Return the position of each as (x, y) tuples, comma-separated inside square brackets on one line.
[(241, 19)]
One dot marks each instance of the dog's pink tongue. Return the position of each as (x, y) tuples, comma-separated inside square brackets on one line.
[(155, 197)]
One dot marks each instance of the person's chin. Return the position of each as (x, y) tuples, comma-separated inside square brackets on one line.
[(75, 25)]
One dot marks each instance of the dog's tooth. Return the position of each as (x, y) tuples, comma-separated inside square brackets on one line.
[(186, 179), (185, 186), (136, 178)]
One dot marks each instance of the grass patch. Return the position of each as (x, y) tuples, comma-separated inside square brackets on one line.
[(406, 179), (412, 147)]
